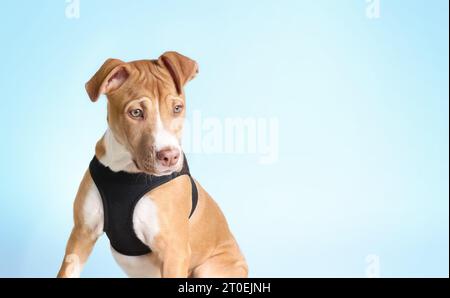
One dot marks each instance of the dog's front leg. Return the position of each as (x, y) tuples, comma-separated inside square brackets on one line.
[(78, 249), (173, 250), (88, 217), (175, 262), (162, 222), (171, 244)]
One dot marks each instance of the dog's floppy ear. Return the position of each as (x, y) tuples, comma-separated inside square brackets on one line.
[(111, 75), (181, 68)]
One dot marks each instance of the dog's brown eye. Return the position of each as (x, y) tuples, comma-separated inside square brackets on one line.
[(137, 113), (177, 109)]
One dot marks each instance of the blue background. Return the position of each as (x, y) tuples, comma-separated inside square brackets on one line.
[(362, 106)]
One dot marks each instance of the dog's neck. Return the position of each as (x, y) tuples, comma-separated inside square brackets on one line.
[(115, 155)]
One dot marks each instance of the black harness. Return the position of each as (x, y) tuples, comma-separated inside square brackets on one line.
[(120, 192)]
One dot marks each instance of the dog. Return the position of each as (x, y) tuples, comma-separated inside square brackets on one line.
[(170, 226)]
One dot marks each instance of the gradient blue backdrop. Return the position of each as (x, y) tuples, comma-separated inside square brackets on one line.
[(362, 106)]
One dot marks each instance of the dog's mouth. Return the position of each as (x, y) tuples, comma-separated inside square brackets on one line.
[(163, 173), (154, 170)]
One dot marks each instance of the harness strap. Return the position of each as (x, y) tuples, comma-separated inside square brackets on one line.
[(194, 196)]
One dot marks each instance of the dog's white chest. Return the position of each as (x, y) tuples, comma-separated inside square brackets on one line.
[(145, 220)]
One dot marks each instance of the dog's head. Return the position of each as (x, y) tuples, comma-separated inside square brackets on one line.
[(146, 107)]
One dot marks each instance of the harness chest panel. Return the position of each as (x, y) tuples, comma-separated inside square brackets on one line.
[(120, 192)]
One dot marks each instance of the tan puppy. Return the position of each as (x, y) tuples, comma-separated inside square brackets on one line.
[(145, 119)]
